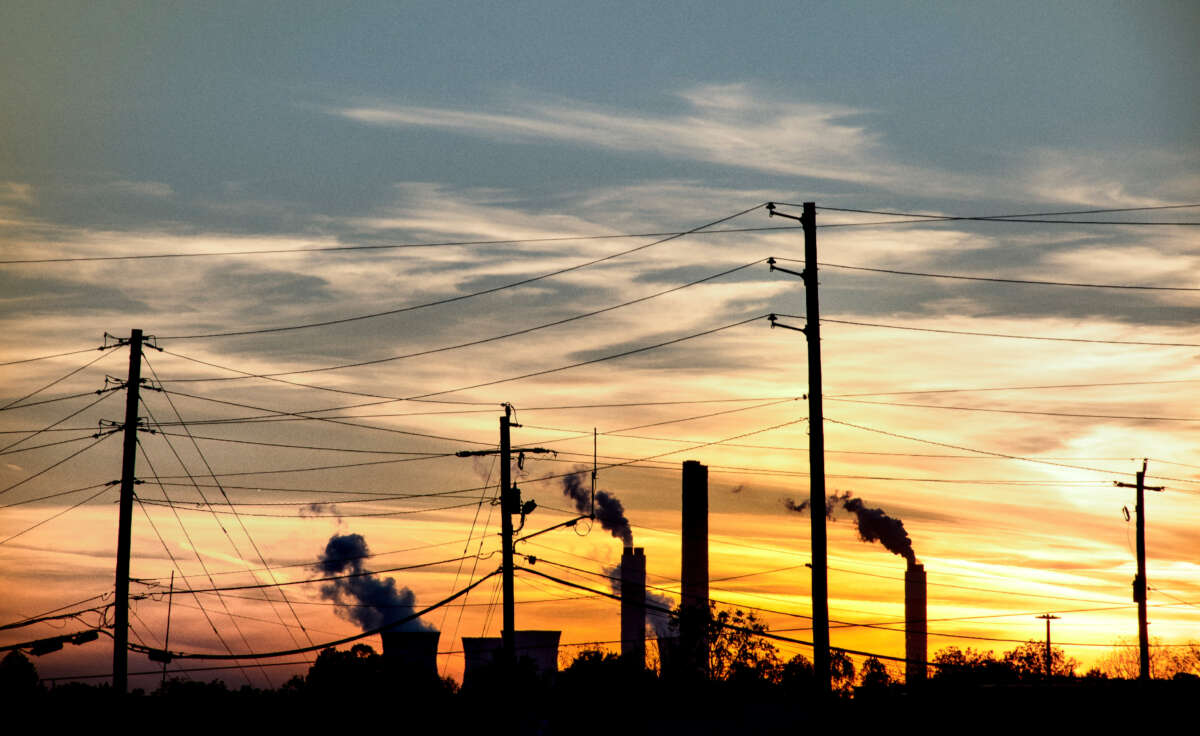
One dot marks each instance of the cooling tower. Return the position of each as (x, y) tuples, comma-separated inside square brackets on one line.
[(541, 647), (411, 654)]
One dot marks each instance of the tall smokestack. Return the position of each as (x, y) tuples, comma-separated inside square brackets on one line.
[(694, 568), (915, 647), (633, 607)]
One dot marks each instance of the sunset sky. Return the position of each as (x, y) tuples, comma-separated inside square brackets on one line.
[(300, 164)]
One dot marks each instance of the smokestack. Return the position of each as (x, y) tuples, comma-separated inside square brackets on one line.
[(411, 655), (915, 651), (694, 569), (633, 607)]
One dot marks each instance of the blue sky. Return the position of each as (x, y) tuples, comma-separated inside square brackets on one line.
[(144, 128)]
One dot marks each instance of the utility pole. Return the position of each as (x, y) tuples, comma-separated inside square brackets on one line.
[(1139, 582), (816, 440), (510, 503), (167, 638), (125, 517), (1049, 659)]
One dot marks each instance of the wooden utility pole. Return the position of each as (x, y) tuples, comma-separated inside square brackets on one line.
[(1049, 658), (510, 503), (1139, 582), (816, 442), (167, 637), (508, 634), (125, 517)]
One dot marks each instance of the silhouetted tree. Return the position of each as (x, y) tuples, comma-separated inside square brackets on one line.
[(970, 666), (874, 680), (596, 671), (1124, 660), (356, 670), (1028, 661), (841, 671), (796, 676), (1023, 663), (736, 654), (18, 676), (177, 688)]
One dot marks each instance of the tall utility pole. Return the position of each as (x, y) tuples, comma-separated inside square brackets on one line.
[(816, 441), (510, 503), (1049, 658), (508, 636), (1139, 582), (125, 518)]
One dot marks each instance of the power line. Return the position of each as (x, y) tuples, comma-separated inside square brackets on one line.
[(50, 427), (55, 400), (1035, 282), (373, 498), (269, 376), (347, 558), (46, 444), (988, 452), (55, 516), (12, 404), (335, 514), (292, 447), (828, 451), (344, 576), (45, 470), (315, 468), (578, 434), (638, 462), (1016, 411), (307, 415), (1015, 388), (394, 246), (567, 238), (175, 563), (195, 550), (742, 470), (277, 416), (1096, 211), (533, 374), (242, 524), (1000, 334), (48, 357), (462, 297), (1025, 218), (56, 495), (383, 495)]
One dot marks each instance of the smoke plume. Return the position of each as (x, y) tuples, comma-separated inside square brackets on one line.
[(658, 621), (609, 511), (873, 524), (313, 510), (365, 599)]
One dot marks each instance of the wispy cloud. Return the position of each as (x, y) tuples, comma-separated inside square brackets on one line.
[(1126, 177), (730, 125)]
